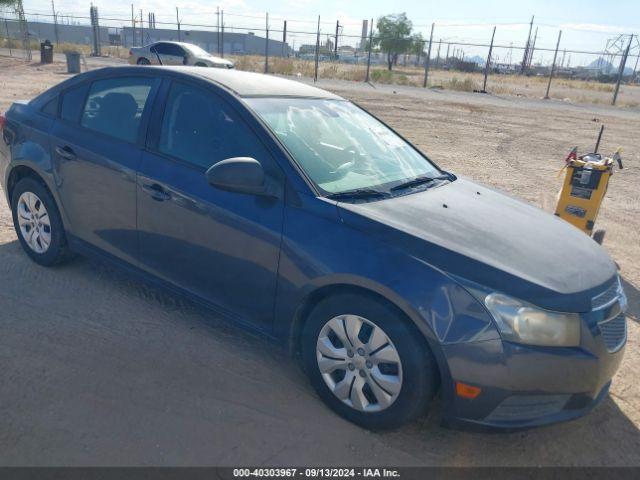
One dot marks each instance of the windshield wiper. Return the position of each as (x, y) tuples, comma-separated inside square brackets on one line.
[(358, 193), (414, 182)]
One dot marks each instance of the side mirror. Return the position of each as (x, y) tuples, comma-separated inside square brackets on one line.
[(241, 175)]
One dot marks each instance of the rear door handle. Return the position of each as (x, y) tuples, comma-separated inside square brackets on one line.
[(156, 191), (66, 152)]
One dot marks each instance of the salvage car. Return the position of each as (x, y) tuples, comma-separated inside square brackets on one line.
[(176, 53), (296, 213)]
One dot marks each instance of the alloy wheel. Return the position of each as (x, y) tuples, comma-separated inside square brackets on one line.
[(34, 222), (359, 363)]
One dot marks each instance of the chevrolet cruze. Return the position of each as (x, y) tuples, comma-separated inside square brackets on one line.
[(296, 213)]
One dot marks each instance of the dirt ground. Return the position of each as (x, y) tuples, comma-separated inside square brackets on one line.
[(99, 369)]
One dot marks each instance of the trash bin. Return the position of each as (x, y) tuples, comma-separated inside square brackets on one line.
[(46, 52), (73, 62)]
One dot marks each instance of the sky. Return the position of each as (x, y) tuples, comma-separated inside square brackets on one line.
[(586, 24)]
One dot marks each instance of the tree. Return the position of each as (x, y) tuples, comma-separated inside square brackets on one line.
[(8, 3), (417, 46), (394, 36)]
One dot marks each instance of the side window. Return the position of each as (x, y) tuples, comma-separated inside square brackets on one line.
[(51, 107), (176, 50), (199, 128), (72, 103), (160, 48), (114, 106)]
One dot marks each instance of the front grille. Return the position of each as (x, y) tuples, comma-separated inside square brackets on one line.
[(614, 332), (605, 298), (520, 407)]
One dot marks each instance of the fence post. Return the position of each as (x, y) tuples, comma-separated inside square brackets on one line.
[(315, 71), (221, 33), (285, 53), (178, 22), (366, 79), (428, 59), (553, 65), (623, 63), (6, 26), (487, 65), (141, 29), (266, 45), (335, 46)]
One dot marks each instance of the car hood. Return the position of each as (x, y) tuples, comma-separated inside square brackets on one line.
[(484, 237)]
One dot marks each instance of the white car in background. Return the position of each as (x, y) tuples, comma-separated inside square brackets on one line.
[(175, 53)]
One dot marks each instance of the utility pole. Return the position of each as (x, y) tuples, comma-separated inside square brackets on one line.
[(335, 46), (133, 27), (366, 79), (623, 63), (526, 48), (55, 23), (428, 59), (533, 48), (438, 55), (487, 65), (315, 71), (266, 45), (218, 28), (178, 22), (141, 29), (553, 65)]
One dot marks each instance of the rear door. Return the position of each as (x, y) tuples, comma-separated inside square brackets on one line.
[(221, 246), (96, 146), (170, 53)]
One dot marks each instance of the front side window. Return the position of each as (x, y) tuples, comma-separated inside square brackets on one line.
[(114, 106), (199, 128), (341, 147)]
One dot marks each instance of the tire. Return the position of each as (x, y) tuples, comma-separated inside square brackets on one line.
[(200, 64), (143, 61), (416, 370), (52, 251)]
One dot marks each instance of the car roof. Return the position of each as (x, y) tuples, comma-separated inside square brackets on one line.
[(249, 84)]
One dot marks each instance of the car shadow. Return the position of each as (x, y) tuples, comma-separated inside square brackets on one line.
[(152, 329)]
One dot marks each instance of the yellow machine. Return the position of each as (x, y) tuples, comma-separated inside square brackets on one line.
[(584, 187)]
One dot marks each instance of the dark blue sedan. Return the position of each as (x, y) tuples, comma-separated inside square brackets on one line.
[(298, 214)]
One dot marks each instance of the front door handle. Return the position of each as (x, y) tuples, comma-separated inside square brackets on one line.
[(156, 191), (66, 152)]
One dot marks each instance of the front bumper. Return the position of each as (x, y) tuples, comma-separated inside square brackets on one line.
[(526, 386)]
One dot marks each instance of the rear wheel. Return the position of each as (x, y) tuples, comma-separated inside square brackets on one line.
[(37, 223), (200, 64), (366, 362), (143, 61)]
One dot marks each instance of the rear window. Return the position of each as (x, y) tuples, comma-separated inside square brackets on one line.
[(51, 107), (72, 103), (114, 106)]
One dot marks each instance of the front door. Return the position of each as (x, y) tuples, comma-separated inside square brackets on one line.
[(218, 245)]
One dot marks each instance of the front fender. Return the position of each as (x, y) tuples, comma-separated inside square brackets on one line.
[(327, 252)]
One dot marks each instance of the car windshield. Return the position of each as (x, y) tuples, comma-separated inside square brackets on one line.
[(341, 147)]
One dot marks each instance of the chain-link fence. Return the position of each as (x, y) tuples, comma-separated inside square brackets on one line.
[(465, 57)]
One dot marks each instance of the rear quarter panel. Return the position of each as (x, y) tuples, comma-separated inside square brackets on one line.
[(26, 142)]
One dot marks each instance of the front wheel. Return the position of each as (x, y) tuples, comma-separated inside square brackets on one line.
[(143, 61), (367, 363)]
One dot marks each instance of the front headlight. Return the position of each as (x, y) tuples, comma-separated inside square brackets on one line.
[(524, 323)]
